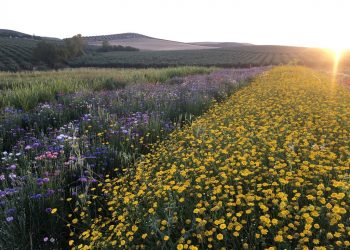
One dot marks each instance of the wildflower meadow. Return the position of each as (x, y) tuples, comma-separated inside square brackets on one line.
[(60, 148), (266, 169)]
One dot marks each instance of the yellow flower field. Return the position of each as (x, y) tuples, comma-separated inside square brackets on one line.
[(269, 168)]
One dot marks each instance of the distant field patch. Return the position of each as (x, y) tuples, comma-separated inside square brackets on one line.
[(241, 56)]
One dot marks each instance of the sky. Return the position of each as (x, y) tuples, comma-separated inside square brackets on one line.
[(313, 23)]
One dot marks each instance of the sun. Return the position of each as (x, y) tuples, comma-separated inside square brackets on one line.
[(338, 49), (338, 53)]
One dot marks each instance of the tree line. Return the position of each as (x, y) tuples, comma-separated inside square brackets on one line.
[(55, 54), (106, 47)]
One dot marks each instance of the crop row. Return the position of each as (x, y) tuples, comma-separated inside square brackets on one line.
[(16, 54), (245, 56)]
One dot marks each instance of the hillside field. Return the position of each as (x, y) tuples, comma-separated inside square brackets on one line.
[(143, 43), (241, 56), (16, 51)]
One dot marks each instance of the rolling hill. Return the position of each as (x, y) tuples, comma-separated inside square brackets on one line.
[(144, 43), (13, 34), (16, 49), (16, 53), (221, 45)]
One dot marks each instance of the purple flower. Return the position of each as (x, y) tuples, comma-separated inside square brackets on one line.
[(83, 179), (27, 147), (93, 180), (87, 117), (7, 191), (46, 180), (72, 158), (39, 182), (48, 210), (12, 167), (50, 192), (9, 219), (46, 239), (2, 177)]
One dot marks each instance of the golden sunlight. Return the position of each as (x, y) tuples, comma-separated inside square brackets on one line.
[(337, 56)]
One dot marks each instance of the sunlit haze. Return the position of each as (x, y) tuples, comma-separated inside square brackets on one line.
[(314, 23)]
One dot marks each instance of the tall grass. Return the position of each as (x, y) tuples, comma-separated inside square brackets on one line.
[(25, 90)]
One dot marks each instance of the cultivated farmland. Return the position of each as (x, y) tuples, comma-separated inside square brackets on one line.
[(241, 56), (16, 53)]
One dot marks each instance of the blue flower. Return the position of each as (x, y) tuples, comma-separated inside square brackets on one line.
[(36, 196), (11, 211)]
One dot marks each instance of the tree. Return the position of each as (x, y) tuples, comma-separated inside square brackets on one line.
[(75, 46), (48, 53), (105, 44), (54, 54)]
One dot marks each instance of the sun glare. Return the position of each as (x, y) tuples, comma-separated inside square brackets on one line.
[(337, 49), (337, 57)]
